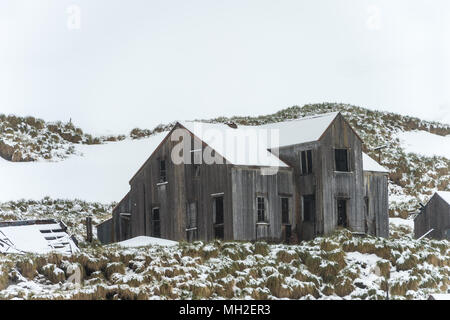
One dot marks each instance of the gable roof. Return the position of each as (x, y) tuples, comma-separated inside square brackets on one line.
[(371, 165), (445, 195), (302, 130), (35, 236), (291, 132)]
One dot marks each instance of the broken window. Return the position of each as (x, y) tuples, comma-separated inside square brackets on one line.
[(285, 210), (308, 208), (306, 162), (341, 157), (260, 203), (162, 171)]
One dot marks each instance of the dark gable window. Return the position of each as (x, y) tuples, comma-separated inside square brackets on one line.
[(261, 209), (285, 210), (306, 159), (308, 207), (341, 157), (162, 171)]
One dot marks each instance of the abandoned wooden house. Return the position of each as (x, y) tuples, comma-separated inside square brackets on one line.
[(36, 236), (435, 216), (307, 182)]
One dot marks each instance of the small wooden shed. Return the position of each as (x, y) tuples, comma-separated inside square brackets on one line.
[(434, 215)]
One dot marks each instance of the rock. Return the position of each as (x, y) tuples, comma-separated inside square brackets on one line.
[(17, 156)]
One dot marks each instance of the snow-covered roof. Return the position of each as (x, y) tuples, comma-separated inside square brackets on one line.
[(297, 131), (244, 145), (142, 241), (371, 165), (35, 236), (302, 130), (444, 195)]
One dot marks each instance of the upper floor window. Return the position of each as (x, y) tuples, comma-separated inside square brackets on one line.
[(306, 162), (162, 171), (341, 158), (261, 207)]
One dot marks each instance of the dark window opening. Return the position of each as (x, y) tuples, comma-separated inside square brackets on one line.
[(218, 218), (342, 212), (308, 208), (341, 157), (156, 223), (162, 171), (285, 210), (306, 160), (260, 203)]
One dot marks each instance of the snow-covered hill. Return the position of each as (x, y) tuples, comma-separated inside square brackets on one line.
[(417, 155), (341, 266)]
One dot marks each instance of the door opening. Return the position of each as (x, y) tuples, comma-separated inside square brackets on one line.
[(342, 212), (218, 219)]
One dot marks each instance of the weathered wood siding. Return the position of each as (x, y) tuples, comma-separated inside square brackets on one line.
[(305, 185), (247, 184), (118, 224), (105, 231), (342, 185), (325, 183), (376, 204), (435, 215)]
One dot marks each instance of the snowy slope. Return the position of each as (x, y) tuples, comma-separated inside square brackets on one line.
[(101, 174), (425, 143)]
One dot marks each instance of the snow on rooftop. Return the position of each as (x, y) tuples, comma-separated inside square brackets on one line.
[(286, 133), (245, 145), (371, 165), (306, 129), (444, 195), (35, 238), (142, 241)]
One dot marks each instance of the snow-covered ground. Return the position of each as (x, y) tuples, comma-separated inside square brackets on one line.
[(101, 174), (399, 222), (143, 241), (425, 143)]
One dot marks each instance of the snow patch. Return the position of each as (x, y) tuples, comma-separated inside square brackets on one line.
[(142, 241)]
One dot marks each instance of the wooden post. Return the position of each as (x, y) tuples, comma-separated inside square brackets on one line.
[(89, 229)]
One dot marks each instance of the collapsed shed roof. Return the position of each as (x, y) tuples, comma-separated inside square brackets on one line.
[(35, 236)]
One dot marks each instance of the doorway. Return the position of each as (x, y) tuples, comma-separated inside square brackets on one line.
[(218, 219), (342, 212)]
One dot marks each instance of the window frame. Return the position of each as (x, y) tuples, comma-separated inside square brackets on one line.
[(262, 210), (162, 171), (306, 162), (347, 160), (154, 233), (286, 214)]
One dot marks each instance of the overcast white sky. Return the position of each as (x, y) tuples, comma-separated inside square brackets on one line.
[(141, 63)]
